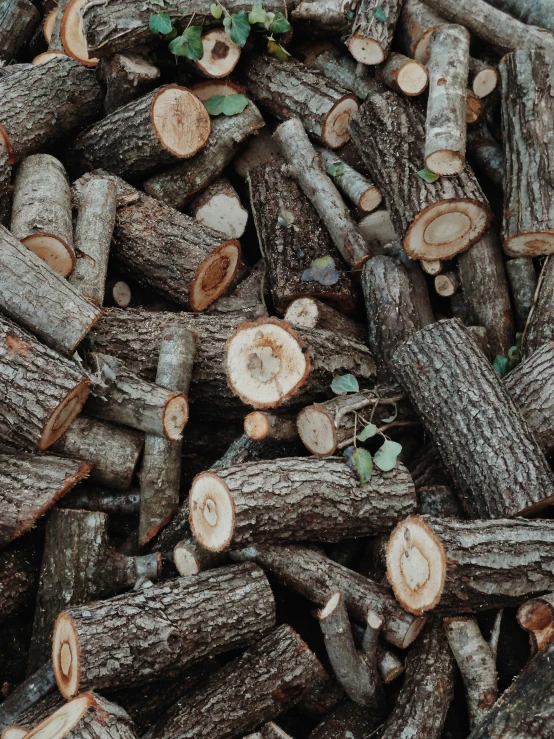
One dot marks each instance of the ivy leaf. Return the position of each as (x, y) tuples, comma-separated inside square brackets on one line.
[(380, 14), (363, 464), (386, 456), (216, 10), (322, 270), (367, 432), (428, 176), (226, 104), (257, 14), (160, 22), (345, 384), (189, 44), (280, 24), (391, 418), (335, 169), (277, 50), (171, 35), (238, 27), (501, 365)]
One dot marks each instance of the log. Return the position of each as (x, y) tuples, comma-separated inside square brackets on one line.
[(111, 451), (260, 149), (41, 211), (291, 237), (74, 537), (29, 486), (485, 153), (27, 720), (72, 34), (528, 216), (306, 313), (190, 558), (483, 77), (325, 15), (268, 363), (532, 12), (523, 285), (357, 188), (483, 279), (27, 695), (221, 54), (403, 75), (260, 684), (61, 94), (126, 77), (348, 721), (435, 220), (445, 127), (117, 294), (539, 327), (94, 227), (160, 473), (342, 69), (447, 377), (416, 25), (136, 636), (537, 617), (439, 501), (18, 577), (261, 426), (377, 229), (18, 20), (372, 33), (102, 500), (40, 299), (467, 566), (474, 108), (178, 185), (419, 288), (447, 284), (306, 168), (41, 393), (220, 209)]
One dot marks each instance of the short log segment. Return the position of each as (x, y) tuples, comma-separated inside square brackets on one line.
[(18, 577), (306, 167), (111, 451), (540, 328), (435, 220), (315, 576), (223, 514), (126, 77), (445, 128), (74, 537), (312, 313), (62, 95), (427, 690), (268, 678), (160, 473), (527, 119), (357, 188), (416, 25), (403, 75), (523, 280), (103, 500), (18, 20), (537, 617), (221, 54), (483, 77), (291, 236), (342, 69), (325, 15), (29, 486), (94, 226), (292, 90), (268, 363), (132, 638), (219, 208), (261, 425), (497, 466), (41, 393), (468, 566), (372, 31), (40, 299), (190, 558)]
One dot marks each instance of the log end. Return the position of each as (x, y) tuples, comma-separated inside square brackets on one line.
[(185, 560), (46, 56), (416, 565), (60, 723), (365, 50), (412, 78), (317, 430), (256, 426), (335, 129), (535, 615), (48, 25), (175, 416), (485, 82), (51, 249), (66, 656), (370, 200), (14, 732), (445, 286), (530, 244), (214, 275), (121, 294), (72, 34), (180, 120), (64, 415), (221, 54), (445, 162), (212, 512)]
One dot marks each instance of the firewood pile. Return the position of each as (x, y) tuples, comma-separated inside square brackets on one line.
[(276, 369)]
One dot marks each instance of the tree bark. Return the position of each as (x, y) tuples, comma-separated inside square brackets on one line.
[(27, 695), (540, 326), (497, 466), (266, 679), (341, 68), (101, 500), (532, 12), (389, 133), (190, 558), (326, 15), (523, 285), (483, 77), (485, 153), (358, 189), (18, 20), (126, 77), (132, 638), (403, 75), (307, 313), (372, 34), (349, 721), (439, 501), (18, 577), (416, 25), (261, 425), (27, 720)]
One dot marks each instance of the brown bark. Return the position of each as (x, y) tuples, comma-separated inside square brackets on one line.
[(540, 327), (126, 77), (18, 20), (372, 36), (312, 313)]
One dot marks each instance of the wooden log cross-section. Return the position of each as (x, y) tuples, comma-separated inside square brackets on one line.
[(372, 31)]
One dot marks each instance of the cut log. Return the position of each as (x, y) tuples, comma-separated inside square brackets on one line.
[(230, 508), (431, 266), (261, 425), (72, 34), (372, 31), (160, 473), (27, 695), (307, 169), (326, 15), (190, 558), (348, 721), (61, 95), (483, 77), (55, 46), (40, 299), (18, 577), (41, 393), (74, 537), (102, 500), (268, 363), (523, 285), (292, 90), (447, 377), (540, 328), (126, 77), (220, 209), (162, 127), (342, 69), (527, 116), (29, 486), (117, 294), (312, 313), (28, 719), (94, 227), (445, 128), (416, 25), (537, 617), (357, 188), (164, 627), (403, 75), (474, 108), (435, 220), (485, 153), (420, 290), (533, 12), (18, 20), (291, 237), (260, 684), (221, 54), (377, 229)]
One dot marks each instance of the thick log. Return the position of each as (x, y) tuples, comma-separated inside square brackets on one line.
[(496, 464), (40, 299), (132, 638), (523, 285), (539, 327), (485, 153), (416, 25), (219, 208), (72, 34), (435, 220), (18, 576), (528, 214), (372, 31), (27, 695), (266, 679), (326, 15), (403, 75), (18, 20), (357, 188), (537, 617), (74, 537), (312, 313), (341, 68), (532, 12), (291, 236), (126, 77)]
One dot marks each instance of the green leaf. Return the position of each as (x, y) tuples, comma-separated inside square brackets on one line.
[(428, 176), (257, 14), (160, 22), (189, 44), (171, 35), (157, 2), (380, 14), (216, 10), (238, 27), (277, 50), (226, 104), (391, 418), (345, 384), (280, 24), (385, 457), (367, 432), (363, 464), (214, 105), (335, 169), (501, 365)]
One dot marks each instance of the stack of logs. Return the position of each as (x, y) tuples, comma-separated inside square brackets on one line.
[(276, 382)]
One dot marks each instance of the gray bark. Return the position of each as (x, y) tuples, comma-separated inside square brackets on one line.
[(523, 285), (372, 36), (127, 77), (540, 326), (342, 69), (532, 12), (485, 153), (18, 20)]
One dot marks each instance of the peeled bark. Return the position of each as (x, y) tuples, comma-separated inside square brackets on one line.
[(127, 77), (18, 20), (523, 285), (372, 33), (312, 313), (540, 326)]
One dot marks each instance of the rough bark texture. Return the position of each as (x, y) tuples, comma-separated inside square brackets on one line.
[(56, 96), (415, 27), (540, 326), (420, 290), (523, 284), (103, 500), (348, 721), (371, 35), (312, 313), (259, 685), (485, 153), (341, 68), (439, 501), (527, 119), (40, 299), (18, 20), (27, 695), (127, 77), (497, 466), (291, 236), (36, 713), (355, 186), (532, 12), (18, 576), (325, 15)]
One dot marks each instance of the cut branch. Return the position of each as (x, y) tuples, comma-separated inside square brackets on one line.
[(537, 617), (373, 32)]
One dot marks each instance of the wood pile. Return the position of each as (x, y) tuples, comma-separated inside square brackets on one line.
[(276, 369)]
